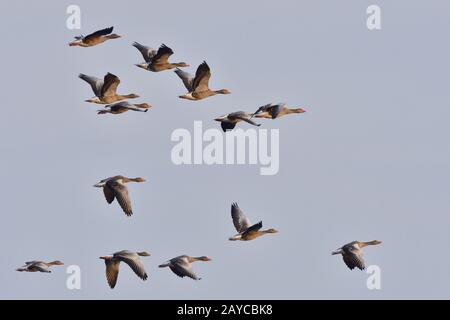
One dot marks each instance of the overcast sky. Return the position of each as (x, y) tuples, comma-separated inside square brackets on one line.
[(369, 160)]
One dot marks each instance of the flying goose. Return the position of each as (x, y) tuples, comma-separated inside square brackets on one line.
[(105, 90), (352, 253), (182, 266), (229, 121), (157, 60), (95, 38), (124, 106), (130, 258), (246, 230), (39, 266), (198, 86), (115, 188), (273, 111)]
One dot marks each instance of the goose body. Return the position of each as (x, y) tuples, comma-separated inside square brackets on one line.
[(39, 266), (157, 60), (246, 230), (182, 265), (198, 86), (132, 259), (94, 38), (105, 90), (124, 106), (115, 188), (229, 121), (275, 110), (352, 253)]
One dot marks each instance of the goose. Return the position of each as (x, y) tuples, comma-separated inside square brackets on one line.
[(182, 266), (124, 106), (352, 253), (130, 258), (157, 60), (95, 38), (198, 86), (39, 266), (275, 110), (105, 90), (229, 121), (246, 230), (115, 188)]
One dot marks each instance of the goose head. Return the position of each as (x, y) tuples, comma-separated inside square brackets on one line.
[(182, 65), (271, 230), (203, 258), (223, 91), (298, 110), (143, 105), (113, 36)]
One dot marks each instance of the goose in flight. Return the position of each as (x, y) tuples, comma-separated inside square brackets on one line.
[(95, 38), (275, 110), (352, 253), (105, 90), (198, 86), (115, 188), (130, 258), (229, 121), (246, 231), (182, 266), (124, 106), (39, 266), (157, 60)]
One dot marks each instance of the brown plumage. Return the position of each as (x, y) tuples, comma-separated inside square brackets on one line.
[(274, 111), (94, 38), (182, 266), (115, 188), (198, 86), (124, 106), (105, 90), (352, 253), (130, 258), (229, 121), (246, 231), (157, 60), (39, 266)]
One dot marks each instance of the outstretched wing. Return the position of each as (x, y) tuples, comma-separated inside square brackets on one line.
[(183, 270), (201, 80), (163, 54), (110, 84), (353, 259), (275, 109), (240, 221), (109, 193), (122, 196), (112, 271), (147, 52), (99, 33), (244, 117), (186, 77), (96, 83), (227, 125), (135, 264), (254, 228)]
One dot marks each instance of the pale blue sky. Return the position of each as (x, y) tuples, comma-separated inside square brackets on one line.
[(369, 159)]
